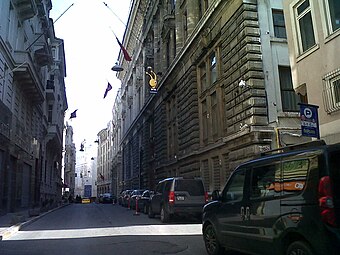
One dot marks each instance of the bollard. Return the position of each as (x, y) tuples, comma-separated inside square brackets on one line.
[(136, 212)]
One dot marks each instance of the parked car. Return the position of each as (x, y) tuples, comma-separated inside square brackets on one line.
[(126, 198), (121, 197), (135, 196), (85, 200), (285, 202), (178, 196), (106, 198), (144, 201)]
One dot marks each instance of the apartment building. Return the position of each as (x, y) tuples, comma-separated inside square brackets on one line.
[(117, 178), (104, 160), (313, 31), (208, 87), (32, 105)]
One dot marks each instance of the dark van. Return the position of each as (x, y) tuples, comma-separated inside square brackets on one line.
[(178, 196), (286, 202)]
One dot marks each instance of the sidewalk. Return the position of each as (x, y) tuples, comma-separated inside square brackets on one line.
[(10, 223)]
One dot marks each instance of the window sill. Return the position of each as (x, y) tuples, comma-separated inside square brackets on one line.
[(307, 53), (333, 35), (278, 40), (289, 114)]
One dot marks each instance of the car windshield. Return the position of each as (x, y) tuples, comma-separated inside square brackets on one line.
[(193, 187)]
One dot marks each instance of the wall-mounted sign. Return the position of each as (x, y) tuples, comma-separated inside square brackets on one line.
[(153, 80), (309, 120)]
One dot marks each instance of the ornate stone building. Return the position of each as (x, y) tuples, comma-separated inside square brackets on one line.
[(223, 89), (32, 106)]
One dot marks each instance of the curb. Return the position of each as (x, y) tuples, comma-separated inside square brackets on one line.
[(7, 233)]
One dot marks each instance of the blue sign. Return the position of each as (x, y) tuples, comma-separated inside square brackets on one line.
[(309, 120)]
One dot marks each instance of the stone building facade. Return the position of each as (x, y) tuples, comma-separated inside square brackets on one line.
[(32, 105), (104, 160), (313, 31), (69, 160), (117, 178), (223, 94)]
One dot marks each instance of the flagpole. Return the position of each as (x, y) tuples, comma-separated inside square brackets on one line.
[(49, 27), (121, 22)]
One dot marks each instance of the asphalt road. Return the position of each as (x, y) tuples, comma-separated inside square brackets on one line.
[(81, 229)]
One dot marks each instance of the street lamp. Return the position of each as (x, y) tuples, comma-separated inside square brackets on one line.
[(117, 68)]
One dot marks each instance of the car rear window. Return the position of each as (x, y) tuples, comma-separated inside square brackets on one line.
[(334, 163), (193, 187)]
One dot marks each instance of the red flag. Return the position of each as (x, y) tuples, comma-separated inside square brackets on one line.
[(125, 53), (109, 87)]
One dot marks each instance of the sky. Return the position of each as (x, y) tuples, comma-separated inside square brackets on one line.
[(91, 50)]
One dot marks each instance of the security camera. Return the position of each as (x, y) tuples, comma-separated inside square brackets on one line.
[(242, 84)]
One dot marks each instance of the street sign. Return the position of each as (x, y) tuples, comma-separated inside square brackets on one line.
[(309, 120)]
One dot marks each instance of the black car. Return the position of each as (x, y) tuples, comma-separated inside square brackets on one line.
[(144, 201), (134, 197), (283, 203), (178, 196), (106, 198)]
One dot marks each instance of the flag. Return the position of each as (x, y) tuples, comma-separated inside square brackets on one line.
[(101, 176), (108, 88), (125, 53), (73, 114)]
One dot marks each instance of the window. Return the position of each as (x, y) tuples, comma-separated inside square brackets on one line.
[(331, 91), (172, 6), (213, 68), (332, 9), (185, 25), (203, 77), (205, 118), (233, 192), (214, 115), (279, 24), (265, 181), (294, 175), (50, 113), (289, 98), (304, 22), (202, 6)]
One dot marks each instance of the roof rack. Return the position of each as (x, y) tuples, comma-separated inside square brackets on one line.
[(293, 147)]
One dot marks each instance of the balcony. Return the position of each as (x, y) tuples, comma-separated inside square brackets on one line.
[(26, 76), (26, 8), (54, 135), (43, 56), (50, 94)]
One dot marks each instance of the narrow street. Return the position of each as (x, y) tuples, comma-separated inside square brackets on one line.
[(81, 229)]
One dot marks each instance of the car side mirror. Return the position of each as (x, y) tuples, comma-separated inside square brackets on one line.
[(215, 195)]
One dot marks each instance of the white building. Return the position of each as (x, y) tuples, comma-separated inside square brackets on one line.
[(86, 171), (69, 160)]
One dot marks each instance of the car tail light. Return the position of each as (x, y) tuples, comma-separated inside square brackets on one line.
[(206, 196), (171, 197), (326, 201)]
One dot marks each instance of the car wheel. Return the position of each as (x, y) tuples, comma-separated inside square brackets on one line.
[(212, 245), (165, 216), (299, 248), (150, 213)]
